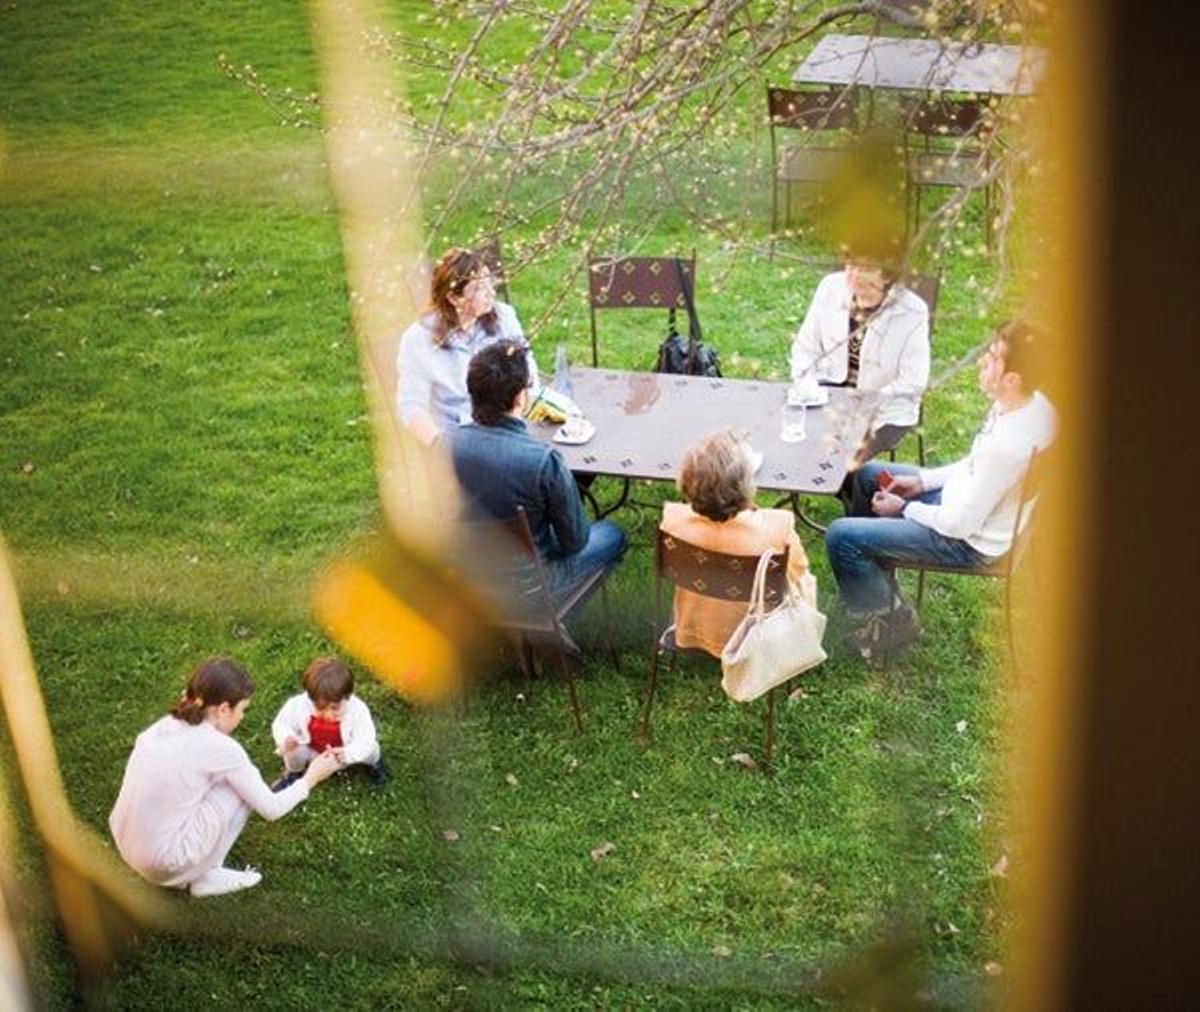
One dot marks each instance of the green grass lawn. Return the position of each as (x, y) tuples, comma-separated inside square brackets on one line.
[(183, 439)]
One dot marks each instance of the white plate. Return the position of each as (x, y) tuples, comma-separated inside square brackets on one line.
[(820, 400), (584, 431)]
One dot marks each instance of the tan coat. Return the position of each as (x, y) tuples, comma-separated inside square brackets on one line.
[(706, 623)]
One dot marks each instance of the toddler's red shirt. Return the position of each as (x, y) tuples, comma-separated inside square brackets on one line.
[(323, 734)]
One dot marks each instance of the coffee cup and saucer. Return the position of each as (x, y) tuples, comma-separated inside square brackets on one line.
[(575, 431), (807, 394)]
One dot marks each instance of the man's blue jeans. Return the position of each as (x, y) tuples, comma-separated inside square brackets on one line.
[(606, 544), (861, 544)]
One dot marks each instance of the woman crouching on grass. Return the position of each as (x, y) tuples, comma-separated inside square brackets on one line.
[(189, 788)]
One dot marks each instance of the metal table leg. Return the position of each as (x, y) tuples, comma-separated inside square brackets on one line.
[(796, 504)]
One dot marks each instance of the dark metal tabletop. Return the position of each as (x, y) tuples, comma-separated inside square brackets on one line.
[(923, 65), (645, 421)]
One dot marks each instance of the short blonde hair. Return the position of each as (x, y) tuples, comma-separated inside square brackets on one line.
[(716, 477)]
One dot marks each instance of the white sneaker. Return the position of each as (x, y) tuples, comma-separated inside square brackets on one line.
[(218, 881)]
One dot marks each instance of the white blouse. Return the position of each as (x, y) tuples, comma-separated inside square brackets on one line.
[(433, 377), (165, 822)]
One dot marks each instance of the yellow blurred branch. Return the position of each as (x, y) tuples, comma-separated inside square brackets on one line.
[(81, 869)]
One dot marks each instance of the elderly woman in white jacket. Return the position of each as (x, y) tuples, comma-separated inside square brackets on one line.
[(864, 329)]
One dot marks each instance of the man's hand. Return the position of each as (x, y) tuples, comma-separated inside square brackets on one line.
[(887, 505), (906, 486), (339, 754)]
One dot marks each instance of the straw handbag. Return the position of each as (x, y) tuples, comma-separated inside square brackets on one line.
[(769, 647)]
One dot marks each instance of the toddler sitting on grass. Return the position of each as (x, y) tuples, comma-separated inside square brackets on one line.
[(326, 716)]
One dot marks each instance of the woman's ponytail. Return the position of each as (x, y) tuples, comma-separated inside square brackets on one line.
[(216, 681)]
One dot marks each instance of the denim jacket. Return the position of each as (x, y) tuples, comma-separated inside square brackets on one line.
[(501, 467)]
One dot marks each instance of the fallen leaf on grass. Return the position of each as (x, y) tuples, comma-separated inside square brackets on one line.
[(993, 969), (27, 467), (1000, 868), (511, 779), (796, 695), (724, 951), (601, 852), (744, 760), (961, 726), (450, 835)]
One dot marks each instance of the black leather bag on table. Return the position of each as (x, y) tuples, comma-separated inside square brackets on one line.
[(691, 357)]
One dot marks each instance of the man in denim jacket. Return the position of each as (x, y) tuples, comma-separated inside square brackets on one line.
[(502, 467)]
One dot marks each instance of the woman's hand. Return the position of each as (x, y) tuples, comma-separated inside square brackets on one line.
[(321, 768)]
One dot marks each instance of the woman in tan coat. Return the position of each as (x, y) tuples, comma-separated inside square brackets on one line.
[(717, 479)]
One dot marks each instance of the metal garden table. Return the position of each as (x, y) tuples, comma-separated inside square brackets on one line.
[(645, 421)]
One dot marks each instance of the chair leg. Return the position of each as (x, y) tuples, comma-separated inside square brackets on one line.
[(920, 588), (652, 681), (886, 666), (569, 675), (770, 721), (527, 666), (774, 208), (920, 448), (608, 626)]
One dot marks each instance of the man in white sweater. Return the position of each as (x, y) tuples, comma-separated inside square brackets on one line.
[(960, 515)]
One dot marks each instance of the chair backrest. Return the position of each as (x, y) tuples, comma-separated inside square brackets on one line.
[(717, 574), (1031, 488), (490, 251), (616, 282), (828, 109), (947, 117), (927, 286), (638, 282), (512, 567)]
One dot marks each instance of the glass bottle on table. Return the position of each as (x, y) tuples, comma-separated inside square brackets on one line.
[(562, 372)]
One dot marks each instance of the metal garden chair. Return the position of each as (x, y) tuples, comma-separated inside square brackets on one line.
[(713, 574)]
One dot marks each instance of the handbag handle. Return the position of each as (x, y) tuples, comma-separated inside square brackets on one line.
[(694, 335), (758, 594)]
